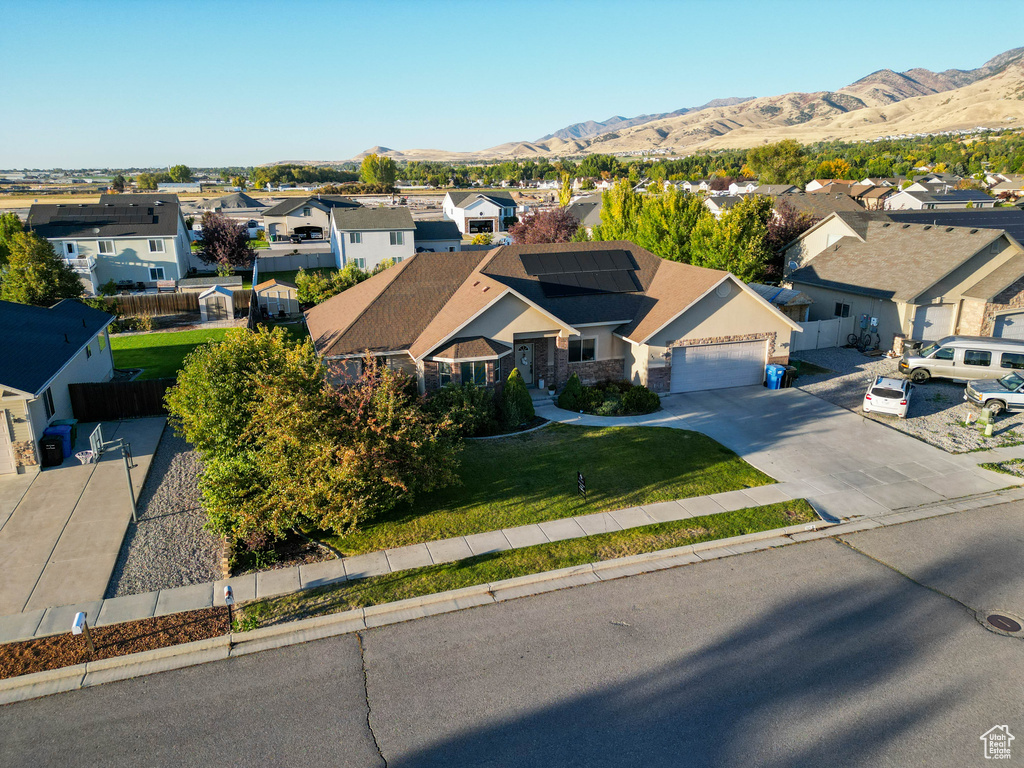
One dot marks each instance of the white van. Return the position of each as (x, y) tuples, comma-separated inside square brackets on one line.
[(963, 358)]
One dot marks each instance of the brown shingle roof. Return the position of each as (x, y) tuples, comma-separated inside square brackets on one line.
[(675, 287), (273, 282), (820, 204), (895, 261), (470, 347), (998, 279)]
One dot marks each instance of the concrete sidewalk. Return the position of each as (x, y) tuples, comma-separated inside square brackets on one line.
[(60, 542)]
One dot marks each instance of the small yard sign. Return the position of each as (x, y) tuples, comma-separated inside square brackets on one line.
[(581, 482)]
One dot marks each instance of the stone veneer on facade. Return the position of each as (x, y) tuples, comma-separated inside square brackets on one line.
[(660, 379)]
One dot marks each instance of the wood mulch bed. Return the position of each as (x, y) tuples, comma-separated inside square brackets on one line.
[(45, 653), (293, 550)]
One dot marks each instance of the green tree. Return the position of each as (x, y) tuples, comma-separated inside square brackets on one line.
[(35, 274), (240, 182), (316, 287), (737, 242), (378, 169), (118, 183), (666, 222), (180, 173), (146, 181), (516, 404), (621, 209), (10, 224), (780, 163), (482, 238), (565, 192)]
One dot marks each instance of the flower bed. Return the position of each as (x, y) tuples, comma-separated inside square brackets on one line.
[(612, 398)]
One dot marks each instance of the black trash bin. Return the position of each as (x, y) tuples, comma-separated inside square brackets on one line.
[(52, 450), (789, 376)]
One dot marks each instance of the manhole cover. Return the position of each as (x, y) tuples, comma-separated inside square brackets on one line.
[(1002, 622)]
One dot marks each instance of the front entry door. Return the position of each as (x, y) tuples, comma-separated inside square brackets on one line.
[(524, 362)]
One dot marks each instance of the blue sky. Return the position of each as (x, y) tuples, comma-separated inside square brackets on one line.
[(143, 83)]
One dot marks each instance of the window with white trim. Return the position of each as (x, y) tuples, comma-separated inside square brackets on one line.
[(307, 211), (361, 263), (106, 247), (444, 373), (397, 259), (156, 273), (355, 237), (48, 404), (398, 238), (582, 350), (156, 246), (71, 249)]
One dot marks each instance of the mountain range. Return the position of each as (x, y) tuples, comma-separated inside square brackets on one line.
[(884, 103)]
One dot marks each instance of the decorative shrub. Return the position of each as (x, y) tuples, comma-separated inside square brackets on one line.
[(471, 408), (516, 403), (109, 288), (570, 397), (640, 399), (591, 399)]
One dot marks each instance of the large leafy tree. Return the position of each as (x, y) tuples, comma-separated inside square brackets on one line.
[(225, 242), (146, 181), (35, 274), (317, 286), (118, 183), (781, 163), (180, 173), (378, 169), (737, 242), (785, 226), (10, 224), (554, 226), (621, 209), (666, 223)]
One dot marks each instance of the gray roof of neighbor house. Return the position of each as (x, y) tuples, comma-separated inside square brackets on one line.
[(206, 282), (722, 202), (365, 219), (952, 196), (1010, 220), (39, 341), (462, 197), (140, 198), (820, 204), (895, 261), (586, 210), (781, 297), (106, 219), (236, 201), (775, 189), (437, 230), (325, 202)]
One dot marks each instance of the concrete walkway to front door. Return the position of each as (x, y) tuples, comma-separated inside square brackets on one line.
[(845, 465), (61, 530)]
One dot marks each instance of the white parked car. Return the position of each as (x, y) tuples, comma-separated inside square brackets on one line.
[(888, 396)]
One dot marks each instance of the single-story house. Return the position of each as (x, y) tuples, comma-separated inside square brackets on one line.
[(742, 187), (1011, 188), (277, 298), (920, 281), (437, 236), (909, 199), (307, 217), (820, 205), (367, 236), (476, 212), (873, 199), (587, 211), (235, 203), (45, 350), (603, 310), (772, 190), (721, 203), (696, 187), (135, 238)]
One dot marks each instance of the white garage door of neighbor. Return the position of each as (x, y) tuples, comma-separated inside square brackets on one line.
[(932, 323), (6, 455), (716, 366), (1010, 326)]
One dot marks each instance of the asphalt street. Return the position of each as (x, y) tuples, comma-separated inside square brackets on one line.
[(861, 652)]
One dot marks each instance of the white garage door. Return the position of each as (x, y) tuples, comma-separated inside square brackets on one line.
[(716, 366), (932, 323), (1010, 326)]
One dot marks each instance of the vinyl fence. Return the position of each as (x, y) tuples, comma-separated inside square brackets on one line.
[(819, 334), (112, 400), (291, 261), (168, 303)]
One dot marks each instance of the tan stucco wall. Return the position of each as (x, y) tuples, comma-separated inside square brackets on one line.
[(283, 225), (814, 242), (738, 314), (607, 345), (509, 316), (950, 289), (893, 317)]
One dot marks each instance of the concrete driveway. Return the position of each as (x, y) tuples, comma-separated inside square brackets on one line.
[(844, 464), (59, 543)]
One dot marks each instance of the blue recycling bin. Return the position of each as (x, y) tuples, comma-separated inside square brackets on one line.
[(63, 431), (774, 374)]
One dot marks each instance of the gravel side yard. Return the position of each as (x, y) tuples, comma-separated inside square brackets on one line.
[(937, 412), (168, 548)]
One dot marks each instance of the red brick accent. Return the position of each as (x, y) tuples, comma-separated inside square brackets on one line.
[(561, 374), (658, 378)]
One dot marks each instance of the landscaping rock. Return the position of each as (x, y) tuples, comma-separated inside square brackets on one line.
[(168, 548)]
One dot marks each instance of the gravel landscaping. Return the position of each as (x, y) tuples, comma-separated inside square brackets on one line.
[(168, 548), (937, 414)]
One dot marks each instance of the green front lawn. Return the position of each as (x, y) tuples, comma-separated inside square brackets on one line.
[(160, 355), (484, 569), (530, 478)]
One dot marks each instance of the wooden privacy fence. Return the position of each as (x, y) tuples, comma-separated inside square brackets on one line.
[(168, 303), (111, 400)]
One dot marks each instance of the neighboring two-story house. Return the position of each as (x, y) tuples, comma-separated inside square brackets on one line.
[(476, 212), (125, 238), (307, 217), (367, 236), (45, 350)]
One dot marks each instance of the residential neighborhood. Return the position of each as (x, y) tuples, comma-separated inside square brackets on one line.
[(342, 431)]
